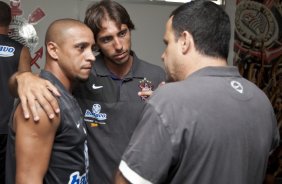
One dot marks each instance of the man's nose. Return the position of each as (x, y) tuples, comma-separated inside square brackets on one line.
[(90, 56), (118, 44)]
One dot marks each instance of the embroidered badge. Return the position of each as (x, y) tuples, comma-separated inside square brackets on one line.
[(145, 85)]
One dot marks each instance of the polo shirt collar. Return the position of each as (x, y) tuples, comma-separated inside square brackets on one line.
[(101, 69), (226, 71)]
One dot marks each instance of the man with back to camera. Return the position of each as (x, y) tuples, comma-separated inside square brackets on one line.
[(109, 99), (210, 126), (55, 150), (13, 57)]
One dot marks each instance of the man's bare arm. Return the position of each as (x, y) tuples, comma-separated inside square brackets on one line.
[(29, 87), (34, 141), (24, 66), (120, 179)]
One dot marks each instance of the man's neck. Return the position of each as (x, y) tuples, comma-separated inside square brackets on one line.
[(201, 61), (119, 70), (53, 68)]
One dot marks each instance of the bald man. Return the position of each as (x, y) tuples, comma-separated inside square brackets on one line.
[(55, 150)]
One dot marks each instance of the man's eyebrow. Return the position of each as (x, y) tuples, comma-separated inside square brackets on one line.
[(105, 37), (81, 43), (124, 29)]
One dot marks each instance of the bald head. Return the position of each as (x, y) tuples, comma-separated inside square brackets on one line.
[(69, 54), (59, 30)]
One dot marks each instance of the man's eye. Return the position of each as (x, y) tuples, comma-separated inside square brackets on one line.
[(123, 33), (106, 40), (80, 47)]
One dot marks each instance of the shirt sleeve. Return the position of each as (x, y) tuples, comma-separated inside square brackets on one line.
[(149, 154)]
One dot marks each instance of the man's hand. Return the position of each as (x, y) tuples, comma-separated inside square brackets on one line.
[(31, 88), (147, 93)]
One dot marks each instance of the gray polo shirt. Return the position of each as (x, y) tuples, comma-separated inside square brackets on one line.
[(215, 127)]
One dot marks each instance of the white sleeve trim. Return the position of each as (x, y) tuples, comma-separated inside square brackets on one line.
[(132, 176)]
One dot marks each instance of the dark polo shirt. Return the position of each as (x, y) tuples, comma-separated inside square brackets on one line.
[(111, 109)]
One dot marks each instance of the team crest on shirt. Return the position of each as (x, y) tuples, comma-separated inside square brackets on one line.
[(95, 116), (145, 85)]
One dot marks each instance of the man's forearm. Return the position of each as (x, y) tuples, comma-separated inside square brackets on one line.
[(13, 83), (119, 178)]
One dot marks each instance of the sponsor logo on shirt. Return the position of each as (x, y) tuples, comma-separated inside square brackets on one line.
[(237, 86), (75, 178), (6, 51), (96, 87), (94, 116)]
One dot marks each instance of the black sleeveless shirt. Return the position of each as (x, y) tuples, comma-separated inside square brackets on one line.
[(10, 52), (69, 159)]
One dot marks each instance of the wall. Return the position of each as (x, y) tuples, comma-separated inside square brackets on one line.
[(230, 8), (149, 19), (53, 9)]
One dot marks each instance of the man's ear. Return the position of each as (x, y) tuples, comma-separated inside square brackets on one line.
[(186, 41), (52, 49)]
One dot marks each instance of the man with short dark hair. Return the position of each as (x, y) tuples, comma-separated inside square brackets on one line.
[(210, 126), (109, 99)]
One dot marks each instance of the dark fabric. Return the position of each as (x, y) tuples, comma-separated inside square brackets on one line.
[(10, 51), (3, 144), (69, 159), (111, 109)]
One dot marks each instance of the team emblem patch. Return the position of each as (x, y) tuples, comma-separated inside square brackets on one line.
[(145, 85)]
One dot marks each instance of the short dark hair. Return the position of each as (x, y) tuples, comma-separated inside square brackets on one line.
[(98, 12), (208, 24), (5, 14)]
